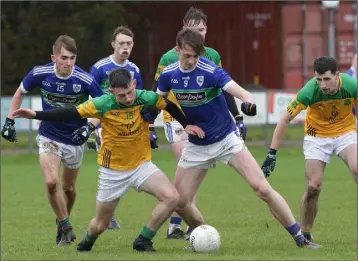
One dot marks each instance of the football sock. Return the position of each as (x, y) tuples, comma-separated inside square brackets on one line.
[(90, 238), (147, 233), (175, 220), (294, 230), (65, 224)]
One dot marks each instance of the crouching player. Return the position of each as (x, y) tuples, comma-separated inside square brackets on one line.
[(123, 165)]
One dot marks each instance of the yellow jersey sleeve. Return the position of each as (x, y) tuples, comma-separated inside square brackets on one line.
[(295, 107), (88, 110), (161, 103)]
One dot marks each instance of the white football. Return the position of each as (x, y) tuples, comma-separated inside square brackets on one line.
[(205, 239)]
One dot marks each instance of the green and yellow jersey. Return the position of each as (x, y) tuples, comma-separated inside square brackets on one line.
[(171, 57), (327, 115), (125, 135)]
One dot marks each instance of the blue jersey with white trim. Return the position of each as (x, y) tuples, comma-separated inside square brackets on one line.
[(103, 67), (59, 92), (199, 93)]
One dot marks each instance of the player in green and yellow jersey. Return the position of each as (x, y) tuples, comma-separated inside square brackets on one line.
[(330, 128), (197, 20), (122, 164)]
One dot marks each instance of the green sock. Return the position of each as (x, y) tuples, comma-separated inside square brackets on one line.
[(65, 223), (148, 233), (90, 238), (306, 234)]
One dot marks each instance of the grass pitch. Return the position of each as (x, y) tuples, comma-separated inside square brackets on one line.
[(226, 201)]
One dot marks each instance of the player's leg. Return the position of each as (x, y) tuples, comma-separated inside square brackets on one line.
[(314, 171), (187, 182), (245, 164), (317, 153), (112, 184), (113, 224), (152, 181), (104, 214), (72, 159), (174, 230), (347, 151), (50, 159)]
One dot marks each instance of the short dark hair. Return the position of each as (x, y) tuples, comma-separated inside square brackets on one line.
[(192, 38), (122, 30), (66, 42), (119, 78), (196, 15), (325, 63)]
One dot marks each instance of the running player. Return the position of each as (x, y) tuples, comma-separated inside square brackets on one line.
[(330, 128), (63, 85)]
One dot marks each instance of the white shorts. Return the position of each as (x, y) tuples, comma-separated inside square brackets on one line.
[(323, 148), (206, 156), (113, 184), (174, 132), (71, 155)]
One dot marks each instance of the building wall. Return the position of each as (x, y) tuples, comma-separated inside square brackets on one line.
[(268, 43)]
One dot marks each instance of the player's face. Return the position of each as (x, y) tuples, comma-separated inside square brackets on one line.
[(122, 46), (200, 27), (125, 96), (328, 82), (188, 58), (65, 60)]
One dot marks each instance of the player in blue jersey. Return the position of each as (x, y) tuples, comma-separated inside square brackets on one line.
[(122, 43), (63, 85), (197, 85)]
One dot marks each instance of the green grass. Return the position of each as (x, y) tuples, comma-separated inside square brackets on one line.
[(254, 133), (28, 227)]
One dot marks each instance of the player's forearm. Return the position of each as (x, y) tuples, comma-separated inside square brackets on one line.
[(94, 121), (15, 102), (177, 114), (231, 104), (237, 91), (60, 114), (279, 133)]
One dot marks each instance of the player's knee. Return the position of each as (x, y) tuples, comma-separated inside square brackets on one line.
[(69, 188), (51, 185), (263, 190), (171, 198), (183, 202), (313, 189)]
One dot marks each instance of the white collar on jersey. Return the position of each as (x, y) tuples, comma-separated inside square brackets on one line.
[(61, 77), (113, 61), (187, 71)]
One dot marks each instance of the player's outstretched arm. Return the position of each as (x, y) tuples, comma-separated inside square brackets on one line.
[(270, 162), (177, 114), (8, 131), (60, 114)]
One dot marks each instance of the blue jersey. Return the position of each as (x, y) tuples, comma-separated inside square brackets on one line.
[(103, 67), (199, 93), (59, 92)]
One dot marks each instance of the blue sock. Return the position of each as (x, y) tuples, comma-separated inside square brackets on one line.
[(175, 220), (294, 230)]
